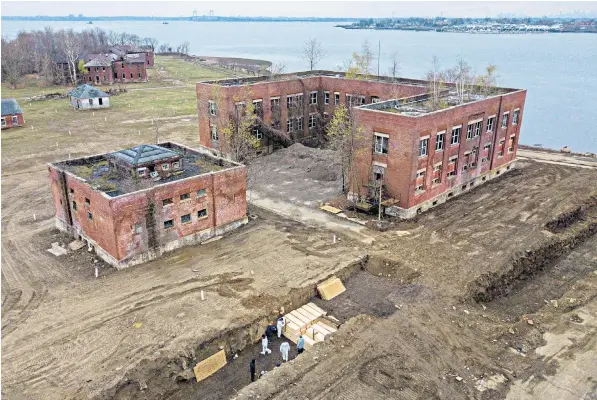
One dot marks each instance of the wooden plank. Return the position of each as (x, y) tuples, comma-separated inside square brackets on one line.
[(305, 321), (331, 209), (317, 308), (295, 320), (320, 328), (210, 365), (306, 314), (327, 327), (308, 310)]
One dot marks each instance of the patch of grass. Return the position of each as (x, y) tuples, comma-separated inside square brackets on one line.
[(188, 72)]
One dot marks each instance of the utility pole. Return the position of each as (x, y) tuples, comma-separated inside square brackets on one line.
[(378, 55)]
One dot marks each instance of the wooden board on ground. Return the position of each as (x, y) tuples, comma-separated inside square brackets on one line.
[(210, 365), (326, 326), (297, 321), (330, 288), (305, 321), (330, 209)]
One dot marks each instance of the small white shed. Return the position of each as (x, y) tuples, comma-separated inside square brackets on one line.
[(87, 97)]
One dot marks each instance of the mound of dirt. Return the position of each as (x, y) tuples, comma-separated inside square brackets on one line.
[(391, 269), (298, 173)]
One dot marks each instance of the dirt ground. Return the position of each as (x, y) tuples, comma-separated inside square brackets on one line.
[(475, 299), (438, 342)]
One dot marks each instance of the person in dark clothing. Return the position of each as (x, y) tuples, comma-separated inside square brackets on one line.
[(252, 367)]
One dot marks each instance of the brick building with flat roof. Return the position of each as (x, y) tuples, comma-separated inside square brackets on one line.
[(419, 151), (133, 205)]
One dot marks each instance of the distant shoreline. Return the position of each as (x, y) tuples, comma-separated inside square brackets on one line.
[(199, 18), (472, 31)]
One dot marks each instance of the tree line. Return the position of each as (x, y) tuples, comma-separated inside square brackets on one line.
[(37, 52)]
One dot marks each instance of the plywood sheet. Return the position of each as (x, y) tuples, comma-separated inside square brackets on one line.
[(331, 209), (330, 288), (312, 311), (317, 308), (210, 365)]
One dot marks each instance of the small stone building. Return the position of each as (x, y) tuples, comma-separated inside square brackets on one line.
[(87, 97), (12, 115), (135, 204)]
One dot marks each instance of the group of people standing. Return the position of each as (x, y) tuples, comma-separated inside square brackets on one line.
[(284, 347)]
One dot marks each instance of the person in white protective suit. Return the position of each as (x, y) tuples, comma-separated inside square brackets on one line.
[(284, 349), (264, 342), (280, 326)]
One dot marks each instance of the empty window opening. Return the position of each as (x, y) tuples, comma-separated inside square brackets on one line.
[(505, 120), (168, 224), (201, 193), (87, 201), (326, 97), (439, 141), (455, 135), (74, 205), (423, 147), (336, 98), (90, 216), (214, 132), (435, 203), (166, 202), (515, 117), (185, 219), (381, 144), (185, 196), (450, 194), (312, 120), (202, 213), (313, 98), (212, 107)]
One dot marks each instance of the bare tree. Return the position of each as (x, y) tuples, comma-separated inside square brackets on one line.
[(435, 79), (312, 53), (360, 64), (464, 78), (150, 42), (184, 48), (12, 60), (394, 65), (71, 47), (276, 69)]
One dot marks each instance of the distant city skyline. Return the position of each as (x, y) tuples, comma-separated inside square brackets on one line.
[(363, 9)]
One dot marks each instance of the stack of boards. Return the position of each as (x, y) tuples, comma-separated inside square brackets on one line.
[(309, 321)]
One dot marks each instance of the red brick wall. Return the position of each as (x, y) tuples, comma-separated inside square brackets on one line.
[(403, 159), (225, 202), (9, 123), (149, 59), (106, 75), (126, 68), (266, 90), (100, 228)]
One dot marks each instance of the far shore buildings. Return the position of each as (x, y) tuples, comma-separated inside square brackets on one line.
[(420, 151), (133, 205), (87, 97), (12, 115)]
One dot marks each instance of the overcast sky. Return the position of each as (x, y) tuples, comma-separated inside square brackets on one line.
[(300, 9)]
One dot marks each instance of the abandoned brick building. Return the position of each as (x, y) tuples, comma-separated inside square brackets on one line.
[(121, 64), (416, 150), (133, 205)]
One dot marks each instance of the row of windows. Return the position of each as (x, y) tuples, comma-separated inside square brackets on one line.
[(469, 162), (296, 100), (185, 196), (380, 143), (186, 219)]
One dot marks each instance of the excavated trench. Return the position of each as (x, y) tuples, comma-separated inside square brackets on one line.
[(570, 230), (173, 377)]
